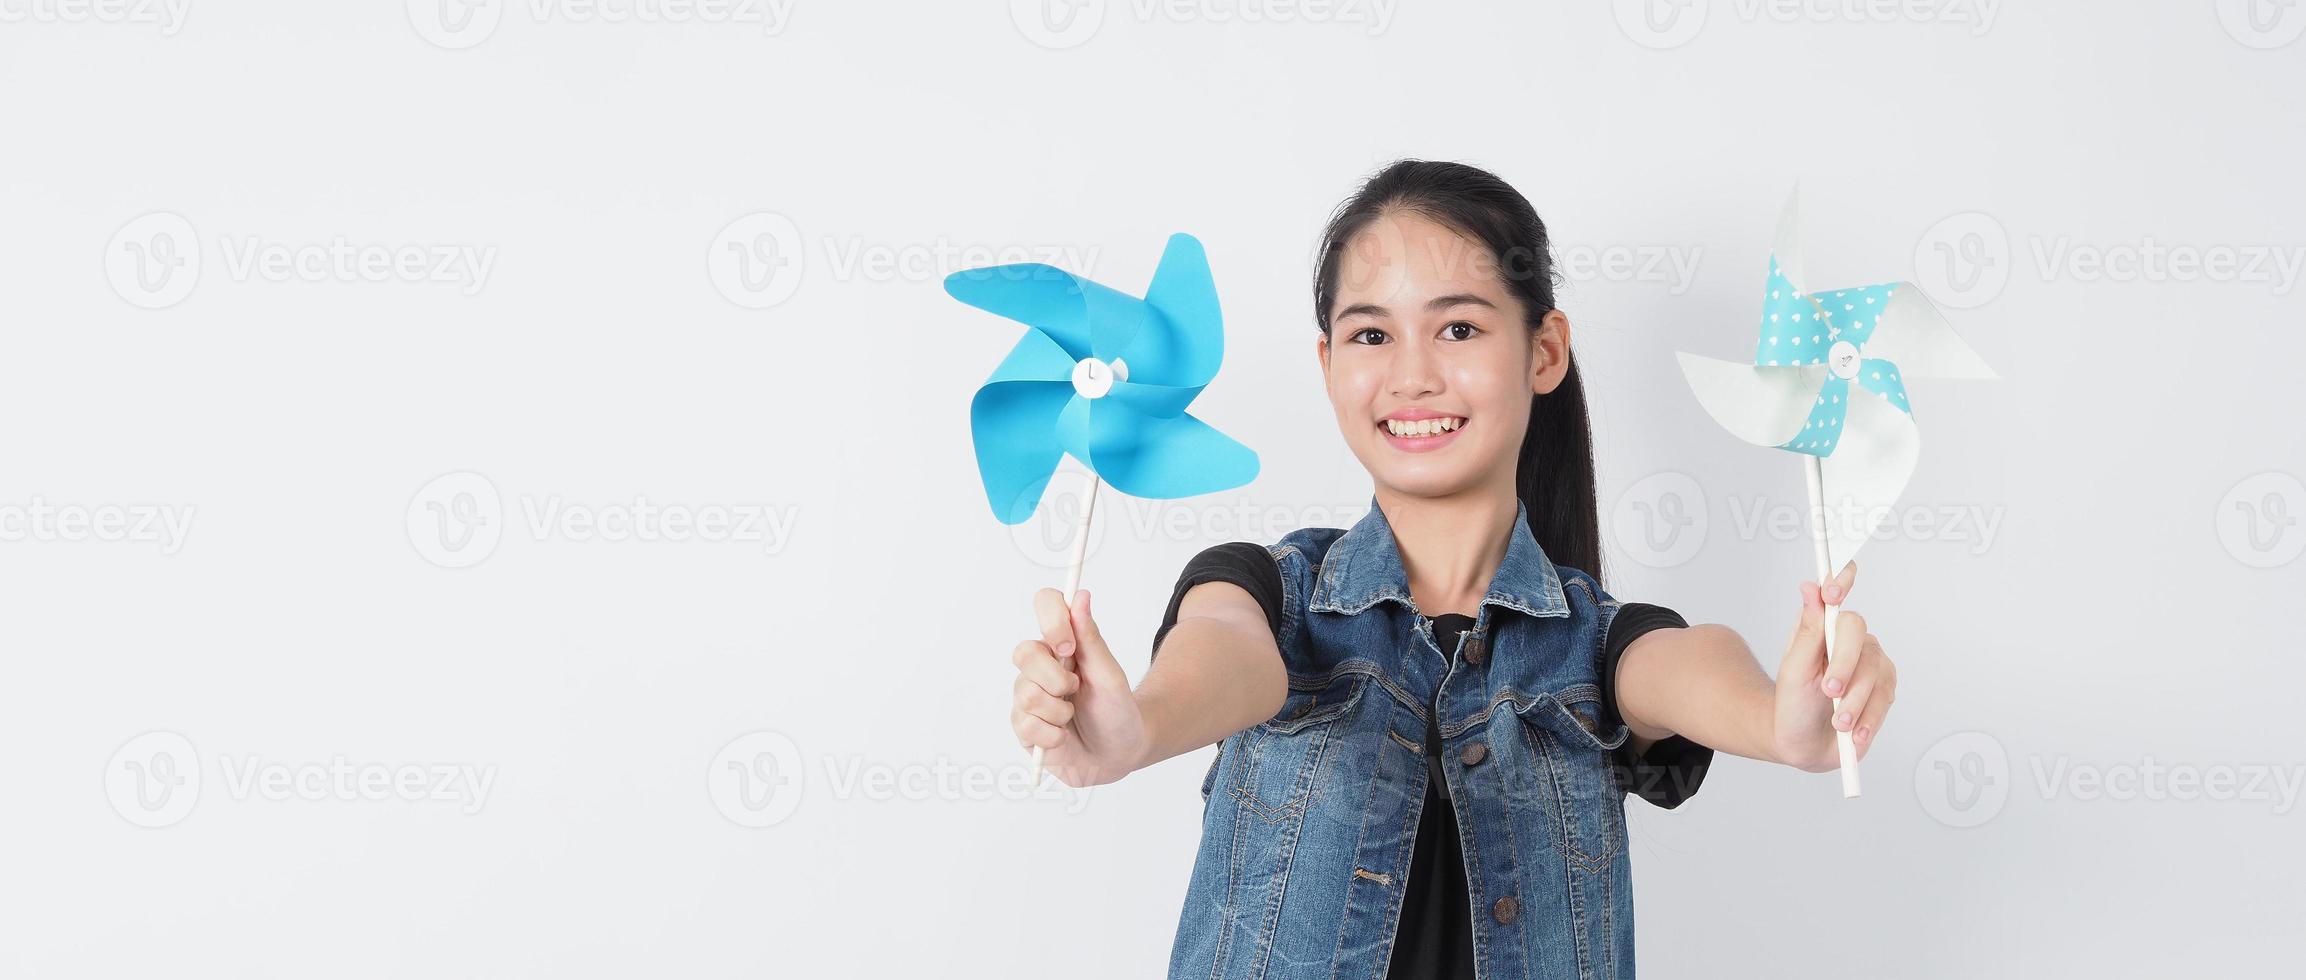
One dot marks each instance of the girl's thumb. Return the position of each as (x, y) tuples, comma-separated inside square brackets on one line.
[(1085, 631), (1807, 651)]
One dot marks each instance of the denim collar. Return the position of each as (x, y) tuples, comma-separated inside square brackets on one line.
[(1364, 567)]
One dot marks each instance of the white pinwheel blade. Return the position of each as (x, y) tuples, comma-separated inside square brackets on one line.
[(1914, 336), (1866, 473), (1766, 406)]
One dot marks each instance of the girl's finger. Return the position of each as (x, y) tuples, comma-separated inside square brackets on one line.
[(1849, 651), (1882, 683), (1028, 651), (1870, 723), (1837, 591), (1806, 652), (1025, 688), (1085, 626), (1033, 733), (1056, 621), (1040, 704), (1853, 708), (1039, 667)]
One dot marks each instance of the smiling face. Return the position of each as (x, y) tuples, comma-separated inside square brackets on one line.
[(1430, 360)]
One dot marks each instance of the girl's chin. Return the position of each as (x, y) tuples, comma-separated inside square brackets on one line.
[(1424, 477)]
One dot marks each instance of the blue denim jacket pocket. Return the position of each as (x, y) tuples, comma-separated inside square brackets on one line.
[(1277, 764), (1578, 788)]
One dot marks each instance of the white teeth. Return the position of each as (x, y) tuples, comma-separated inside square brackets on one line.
[(1422, 427)]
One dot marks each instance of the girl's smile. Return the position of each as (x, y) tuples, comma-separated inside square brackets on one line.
[(1418, 430)]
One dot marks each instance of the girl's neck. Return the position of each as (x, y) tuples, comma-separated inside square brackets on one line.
[(1451, 546)]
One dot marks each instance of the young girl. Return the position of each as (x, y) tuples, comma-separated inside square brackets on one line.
[(1430, 720)]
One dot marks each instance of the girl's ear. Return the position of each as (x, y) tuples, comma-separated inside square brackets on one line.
[(1549, 353), (1321, 349)]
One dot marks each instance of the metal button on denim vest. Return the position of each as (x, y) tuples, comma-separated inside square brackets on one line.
[(1309, 817)]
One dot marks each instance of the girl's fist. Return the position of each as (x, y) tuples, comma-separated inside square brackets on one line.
[(1072, 698), (1860, 674)]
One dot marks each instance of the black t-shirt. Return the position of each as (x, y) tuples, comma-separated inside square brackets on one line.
[(1435, 938)]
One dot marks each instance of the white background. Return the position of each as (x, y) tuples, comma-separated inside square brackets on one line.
[(2134, 611)]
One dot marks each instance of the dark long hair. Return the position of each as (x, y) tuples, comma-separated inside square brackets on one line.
[(1555, 474)]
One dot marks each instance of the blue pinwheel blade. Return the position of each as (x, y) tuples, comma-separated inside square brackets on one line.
[(1037, 357), (1159, 401), (1085, 318), (1165, 458), (1852, 314), (1126, 420), (1071, 429), (1881, 378), (1823, 429), (1789, 317), (1014, 426), (1158, 458), (1183, 339)]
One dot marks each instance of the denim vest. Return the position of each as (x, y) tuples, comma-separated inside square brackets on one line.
[(1308, 818)]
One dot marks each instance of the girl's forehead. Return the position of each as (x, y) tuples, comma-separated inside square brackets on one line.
[(1402, 258)]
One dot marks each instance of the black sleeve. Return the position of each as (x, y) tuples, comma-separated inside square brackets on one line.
[(1244, 564), (1671, 770)]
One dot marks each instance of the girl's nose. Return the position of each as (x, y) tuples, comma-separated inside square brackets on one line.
[(1414, 373)]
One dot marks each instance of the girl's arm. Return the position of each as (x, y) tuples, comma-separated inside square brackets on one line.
[(1702, 683), (1218, 671)]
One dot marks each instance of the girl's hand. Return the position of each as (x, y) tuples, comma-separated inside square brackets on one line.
[(1072, 698), (1860, 674)]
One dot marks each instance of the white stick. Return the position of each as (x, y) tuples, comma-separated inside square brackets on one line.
[(1842, 740), (1073, 579)]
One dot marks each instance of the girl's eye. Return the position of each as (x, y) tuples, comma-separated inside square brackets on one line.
[(1367, 335), (1460, 330)]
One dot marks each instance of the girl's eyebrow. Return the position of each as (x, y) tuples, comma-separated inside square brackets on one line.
[(1436, 305), (1441, 303)]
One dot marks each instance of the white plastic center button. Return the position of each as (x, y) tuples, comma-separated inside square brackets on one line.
[(1093, 378), (1842, 360)]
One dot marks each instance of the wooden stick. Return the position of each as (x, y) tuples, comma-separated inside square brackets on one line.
[(1073, 582), (1842, 739)]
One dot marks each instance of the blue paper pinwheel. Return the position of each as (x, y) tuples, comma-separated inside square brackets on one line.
[(1105, 377), (1828, 382)]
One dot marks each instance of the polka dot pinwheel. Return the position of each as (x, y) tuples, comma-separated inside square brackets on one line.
[(1828, 382)]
